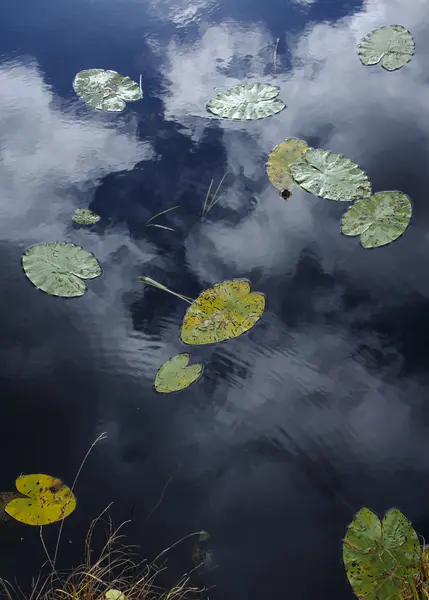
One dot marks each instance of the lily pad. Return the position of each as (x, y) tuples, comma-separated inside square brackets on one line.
[(330, 176), (59, 269), (84, 216), (222, 312), (175, 374), (381, 559), (115, 595), (106, 90), (392, 46), (379, 219), (279, 161), (247, 101), (47, 499)]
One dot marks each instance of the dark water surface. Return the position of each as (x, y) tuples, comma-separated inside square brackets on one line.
[(324, 406)]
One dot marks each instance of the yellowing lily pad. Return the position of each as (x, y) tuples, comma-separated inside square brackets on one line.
[(382, 559), (47, 500), (175, 374), (279, 162), (115, 595), (222, 312)]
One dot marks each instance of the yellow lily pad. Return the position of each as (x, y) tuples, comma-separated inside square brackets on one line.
[(280, 159), (47, 500), (222, 312), (175, 374), (115, 595)]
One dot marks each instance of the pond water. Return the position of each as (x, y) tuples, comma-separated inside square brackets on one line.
[(323, 407)]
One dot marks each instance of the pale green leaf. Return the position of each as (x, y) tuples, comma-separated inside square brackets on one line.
[(391, 45), (175, 374), (106, 90), (247, 101), (84, 216)]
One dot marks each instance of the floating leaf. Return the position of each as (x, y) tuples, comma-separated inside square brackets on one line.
[(381, 559), (59, 269), (330, 176), (247, 101), (222, 312), (393, 45), (115, 595), (106, 90), (279, 161), (47, 500), (84, 216), (175, 374), (379, 219)]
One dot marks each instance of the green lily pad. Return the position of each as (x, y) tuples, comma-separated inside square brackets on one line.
[(84, 216), (222, 312), (392, 46), (106, 90), (379, 219), (330, 176), (114, 595), (247, 101), (280, 159), (60, 269), (175, 374), (381, 559)]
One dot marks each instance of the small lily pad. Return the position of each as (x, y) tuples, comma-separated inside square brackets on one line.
[(60, 269), (115, 595), (382, 560), (106, 90), (279, 161), (47, 500), (84, 216), (175, 374), (222, 312), (247, 101), (330, 176), (391, 45), (379, 219)]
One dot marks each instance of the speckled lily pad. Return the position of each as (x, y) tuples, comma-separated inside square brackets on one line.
[(106, 90), (246, 102), (280, 160), (84, 216)]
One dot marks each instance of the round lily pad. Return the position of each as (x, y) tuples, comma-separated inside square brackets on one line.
[(47, 499), (60, 269), (113, 594), (247, 101), (392, 46), (84, 216), (175, 374), (330, 176), (106, 90), (280, 159), (379, 219), (382, 560), (222, 312)]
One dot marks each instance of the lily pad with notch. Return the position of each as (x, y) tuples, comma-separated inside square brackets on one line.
[(60, 269), (392, 46), (105, 89), (331, 176), (247, 101), (278, 165), (222, 312), (379, 219), (176, 374), (46, 500), (381, 559)]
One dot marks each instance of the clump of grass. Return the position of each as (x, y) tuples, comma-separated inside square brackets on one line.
[(116, 567), (153, 283), (150, 224), (210, 202)]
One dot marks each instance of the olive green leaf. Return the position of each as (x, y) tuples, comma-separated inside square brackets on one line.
[(84, 216), (379, 219), (393, 45), (330, 176), (175, 374), (382, 560), (106, 90), (247, 101), (59, 269), (115, 595), (222, 312), (46, 500), (280, 159)]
